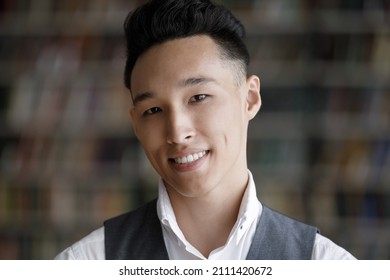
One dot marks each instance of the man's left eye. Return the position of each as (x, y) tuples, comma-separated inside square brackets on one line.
[(198, 97)]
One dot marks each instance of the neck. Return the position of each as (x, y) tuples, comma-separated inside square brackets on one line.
[(207, 220)]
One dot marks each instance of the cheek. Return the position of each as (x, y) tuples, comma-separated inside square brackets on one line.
[(224, 124), (231, 115), (150, 139), (152, 152)]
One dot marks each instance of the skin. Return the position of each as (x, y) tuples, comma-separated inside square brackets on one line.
[(187, 101)]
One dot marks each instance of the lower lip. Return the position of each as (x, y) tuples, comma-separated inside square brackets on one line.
[(190, 166)]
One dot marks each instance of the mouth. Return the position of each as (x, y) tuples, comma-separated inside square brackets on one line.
[(190, 158)]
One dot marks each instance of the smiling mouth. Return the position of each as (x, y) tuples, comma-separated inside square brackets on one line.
[(189, 158)]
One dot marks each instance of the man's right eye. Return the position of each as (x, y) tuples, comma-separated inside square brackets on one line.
[(152, 111)]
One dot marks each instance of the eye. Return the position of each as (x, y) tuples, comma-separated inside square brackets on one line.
[(198, 98), (152, 111)]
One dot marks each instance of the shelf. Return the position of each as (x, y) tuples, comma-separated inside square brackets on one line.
[(263, 22), (64, 23), (322, 74), (324, 125)]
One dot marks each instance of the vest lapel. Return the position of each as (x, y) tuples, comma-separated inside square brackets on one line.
[(279, 237)]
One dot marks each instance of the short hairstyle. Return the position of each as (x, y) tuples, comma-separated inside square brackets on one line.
[(158, 21)]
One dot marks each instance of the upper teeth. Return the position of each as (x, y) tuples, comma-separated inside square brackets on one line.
[(190, 158)]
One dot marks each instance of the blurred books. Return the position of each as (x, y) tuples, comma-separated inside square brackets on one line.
[(319, 148)]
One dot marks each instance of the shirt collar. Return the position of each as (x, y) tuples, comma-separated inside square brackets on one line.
[(249, 210), (165, 211)]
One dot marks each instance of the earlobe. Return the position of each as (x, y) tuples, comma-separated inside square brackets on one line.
[(253, 96)]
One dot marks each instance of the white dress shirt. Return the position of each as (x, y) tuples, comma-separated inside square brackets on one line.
[(236, 247)]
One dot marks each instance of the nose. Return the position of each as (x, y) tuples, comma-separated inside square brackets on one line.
[(180, 127)]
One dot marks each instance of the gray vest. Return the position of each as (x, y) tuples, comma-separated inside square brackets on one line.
[(137, 235)]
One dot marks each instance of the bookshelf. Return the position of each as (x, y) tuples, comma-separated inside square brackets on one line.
[(319, 149)]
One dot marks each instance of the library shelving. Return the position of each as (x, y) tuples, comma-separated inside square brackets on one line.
[(319, 149)]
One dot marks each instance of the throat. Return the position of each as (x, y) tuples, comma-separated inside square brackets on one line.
[(206, 221), (208, 235), (208, 228)]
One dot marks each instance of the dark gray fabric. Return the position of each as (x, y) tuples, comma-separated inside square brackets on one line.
[(279, 237), (137, 235)]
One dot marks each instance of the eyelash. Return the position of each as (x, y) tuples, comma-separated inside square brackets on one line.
[(198, 98), (152, 111), (194, 99)]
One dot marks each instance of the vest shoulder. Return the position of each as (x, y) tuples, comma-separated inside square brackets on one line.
[(135, 216), (283, 220)]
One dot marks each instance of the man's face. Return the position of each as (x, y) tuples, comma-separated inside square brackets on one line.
[(191, 116)]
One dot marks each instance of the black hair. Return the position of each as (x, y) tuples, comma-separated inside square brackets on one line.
[(158, 21)]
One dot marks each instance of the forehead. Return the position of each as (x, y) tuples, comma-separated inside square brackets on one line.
[(177, 60)]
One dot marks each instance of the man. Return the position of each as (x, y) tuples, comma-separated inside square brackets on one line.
[(186, 70)]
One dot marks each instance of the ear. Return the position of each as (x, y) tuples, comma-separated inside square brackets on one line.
[(253, 98), (133, 120)]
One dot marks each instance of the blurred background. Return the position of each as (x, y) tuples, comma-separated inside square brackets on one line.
[(319, 149)]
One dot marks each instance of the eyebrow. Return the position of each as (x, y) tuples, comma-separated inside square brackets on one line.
[(142, 96), (194, 81)]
